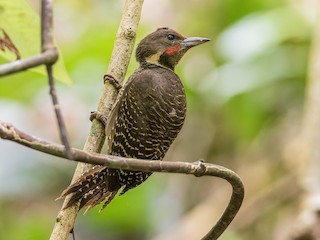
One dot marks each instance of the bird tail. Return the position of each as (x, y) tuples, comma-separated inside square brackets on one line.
[(90, 189)]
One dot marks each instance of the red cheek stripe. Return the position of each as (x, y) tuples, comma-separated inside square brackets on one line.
[(173, 50)]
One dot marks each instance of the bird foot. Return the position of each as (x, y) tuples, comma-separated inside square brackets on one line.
[(99, 116), (114, 82)]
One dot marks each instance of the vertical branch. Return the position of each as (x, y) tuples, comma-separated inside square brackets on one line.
[(311, 119), (308, 222), (118, 66), (47, 44), (46, 25)]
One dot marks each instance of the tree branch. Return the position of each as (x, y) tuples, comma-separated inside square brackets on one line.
[(198, 169), (307, 223), (47, 57), (46, 25), (118, 66), (46, 44)]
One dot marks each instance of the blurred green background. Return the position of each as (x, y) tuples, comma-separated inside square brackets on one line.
[(245, 92)]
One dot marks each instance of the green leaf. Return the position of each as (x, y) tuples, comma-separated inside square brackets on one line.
[(22, 24)]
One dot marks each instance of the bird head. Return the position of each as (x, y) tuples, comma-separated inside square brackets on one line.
[(165, 47)]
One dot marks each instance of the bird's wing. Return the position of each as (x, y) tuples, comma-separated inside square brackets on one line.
[(110, 126)]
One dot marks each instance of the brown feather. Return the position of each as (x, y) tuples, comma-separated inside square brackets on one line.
[(148, 114)]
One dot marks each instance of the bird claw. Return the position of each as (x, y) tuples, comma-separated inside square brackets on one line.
[(113, 81), (99, 116)]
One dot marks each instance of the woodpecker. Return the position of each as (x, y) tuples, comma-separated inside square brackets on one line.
[(148, 115)]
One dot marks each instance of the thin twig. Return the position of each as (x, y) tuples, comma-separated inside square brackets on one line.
[(46, 44), (50, 56), (57, 109), (198, 168)]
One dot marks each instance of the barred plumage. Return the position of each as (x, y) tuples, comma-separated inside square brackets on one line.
[(148, 115)]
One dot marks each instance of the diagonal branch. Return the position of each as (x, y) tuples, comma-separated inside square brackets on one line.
[(47, 57), (118, 66), (307, 222), (198, 169)]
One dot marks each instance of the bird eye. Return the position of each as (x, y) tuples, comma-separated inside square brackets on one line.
[(171, 37)]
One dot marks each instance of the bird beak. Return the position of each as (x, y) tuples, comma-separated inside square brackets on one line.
[(193, 41)]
